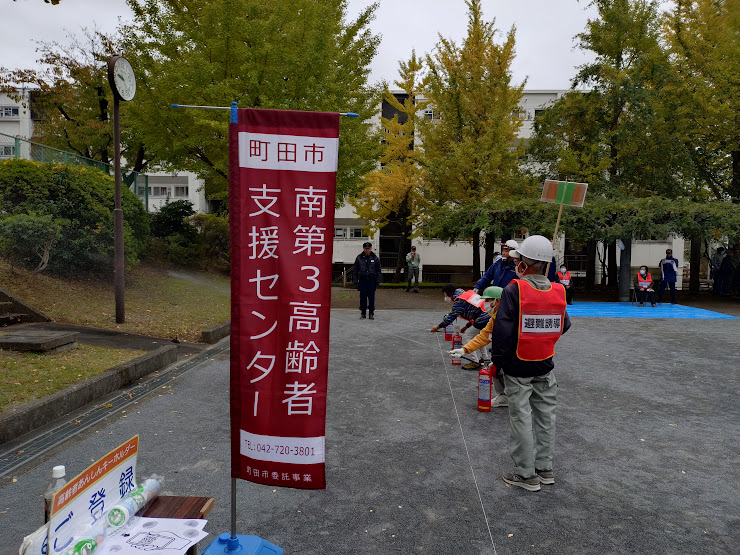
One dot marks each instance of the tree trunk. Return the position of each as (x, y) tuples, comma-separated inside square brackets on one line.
[(590, 264), (404, 245), (475, 273), (625, 269), (490, 249), (695, 264), (612, 265)]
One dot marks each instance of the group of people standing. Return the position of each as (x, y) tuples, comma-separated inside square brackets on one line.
[(522, 316)]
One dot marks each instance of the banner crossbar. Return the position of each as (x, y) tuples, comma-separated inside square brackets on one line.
[(348, 114)]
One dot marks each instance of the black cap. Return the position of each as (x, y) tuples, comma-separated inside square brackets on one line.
[(367, 245), (413, 248)]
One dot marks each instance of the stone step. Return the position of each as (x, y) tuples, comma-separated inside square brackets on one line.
[(6, 306), (10, 318), (38, 340)]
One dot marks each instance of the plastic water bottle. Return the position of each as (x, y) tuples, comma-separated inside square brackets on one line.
[(57, 482)]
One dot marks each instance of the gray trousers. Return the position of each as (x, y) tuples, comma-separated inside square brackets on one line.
[(413, 274), (532, 404)]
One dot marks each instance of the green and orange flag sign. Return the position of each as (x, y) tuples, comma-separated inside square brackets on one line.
[(564, 192)]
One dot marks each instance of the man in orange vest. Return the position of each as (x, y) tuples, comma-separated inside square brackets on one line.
[(644, 286), (530, 320), (567, 282)]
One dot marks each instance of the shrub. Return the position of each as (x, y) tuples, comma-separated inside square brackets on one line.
[(81, 201), (172, 218), (26, 240)]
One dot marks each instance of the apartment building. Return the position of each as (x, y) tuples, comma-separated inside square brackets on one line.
[(442, 262)]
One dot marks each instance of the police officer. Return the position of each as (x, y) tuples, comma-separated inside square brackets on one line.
[(367, 277), (531, 318)]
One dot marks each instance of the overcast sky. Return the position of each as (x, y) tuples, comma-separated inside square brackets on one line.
[(544, 38)]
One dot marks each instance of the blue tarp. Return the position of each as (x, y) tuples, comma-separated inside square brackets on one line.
[(630, 310)]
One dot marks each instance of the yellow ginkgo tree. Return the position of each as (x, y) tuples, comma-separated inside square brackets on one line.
[(393, 193)]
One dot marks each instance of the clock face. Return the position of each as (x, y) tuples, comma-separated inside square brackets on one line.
[(124, 79)]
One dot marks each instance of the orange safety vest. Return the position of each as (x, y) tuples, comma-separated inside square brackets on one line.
[(644, 282), (473, 298), (541, 315), (564, 279)]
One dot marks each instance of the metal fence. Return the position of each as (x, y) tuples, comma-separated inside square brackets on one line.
[(17, 147)]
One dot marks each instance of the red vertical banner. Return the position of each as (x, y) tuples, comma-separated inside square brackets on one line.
[(282, 181)]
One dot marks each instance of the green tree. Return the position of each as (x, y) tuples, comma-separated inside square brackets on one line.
[(469, 154), (73, 100), (394, 191), (299, 55), (620, 137), (704, 41)]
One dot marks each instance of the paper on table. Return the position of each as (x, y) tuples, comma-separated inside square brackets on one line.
[(164, 535)]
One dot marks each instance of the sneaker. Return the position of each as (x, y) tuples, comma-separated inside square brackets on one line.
[(530, 484), (546, 477), (500, 401), (471, 366), (362, 315), (372, 316)]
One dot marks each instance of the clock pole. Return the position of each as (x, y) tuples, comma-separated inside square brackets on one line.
[(118, 272), (123, 83)]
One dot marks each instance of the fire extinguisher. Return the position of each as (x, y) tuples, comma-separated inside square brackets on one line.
[(456, 344), (485, 388), (448, 333)]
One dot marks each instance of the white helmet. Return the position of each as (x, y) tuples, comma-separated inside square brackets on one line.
[(511, 244), (536, 247)]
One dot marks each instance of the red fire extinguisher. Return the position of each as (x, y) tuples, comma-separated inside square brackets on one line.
[(456, 344), (448, 333), (485, 388)]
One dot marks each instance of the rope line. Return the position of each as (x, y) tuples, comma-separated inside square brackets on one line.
[(465, 443)]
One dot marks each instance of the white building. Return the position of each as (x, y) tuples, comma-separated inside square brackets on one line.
[(442, 262)]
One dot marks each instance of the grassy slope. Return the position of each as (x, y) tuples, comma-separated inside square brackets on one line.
[(157, 302)]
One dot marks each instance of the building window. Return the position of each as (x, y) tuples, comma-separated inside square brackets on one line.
[(181, 191), (7, 151), (356, 233), (538, 113), (339, 233), (432, 115), (8, 112), (159, 191)]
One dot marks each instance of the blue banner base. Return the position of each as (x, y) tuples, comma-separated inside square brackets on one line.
[(243, 545)]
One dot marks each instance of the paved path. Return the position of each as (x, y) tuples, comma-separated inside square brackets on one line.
[(646, 458)]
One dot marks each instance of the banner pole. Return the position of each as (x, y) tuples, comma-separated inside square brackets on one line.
[(233, 543)]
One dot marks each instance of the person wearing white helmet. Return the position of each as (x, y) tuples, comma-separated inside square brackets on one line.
[(531, 318), (501, 272)]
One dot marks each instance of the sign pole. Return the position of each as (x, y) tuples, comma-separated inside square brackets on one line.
[(554, 236)]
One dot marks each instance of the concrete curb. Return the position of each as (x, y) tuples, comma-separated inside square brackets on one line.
[(20, 420), (216, 333)]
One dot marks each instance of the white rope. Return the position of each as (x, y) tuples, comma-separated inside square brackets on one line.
[(470, 462)]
